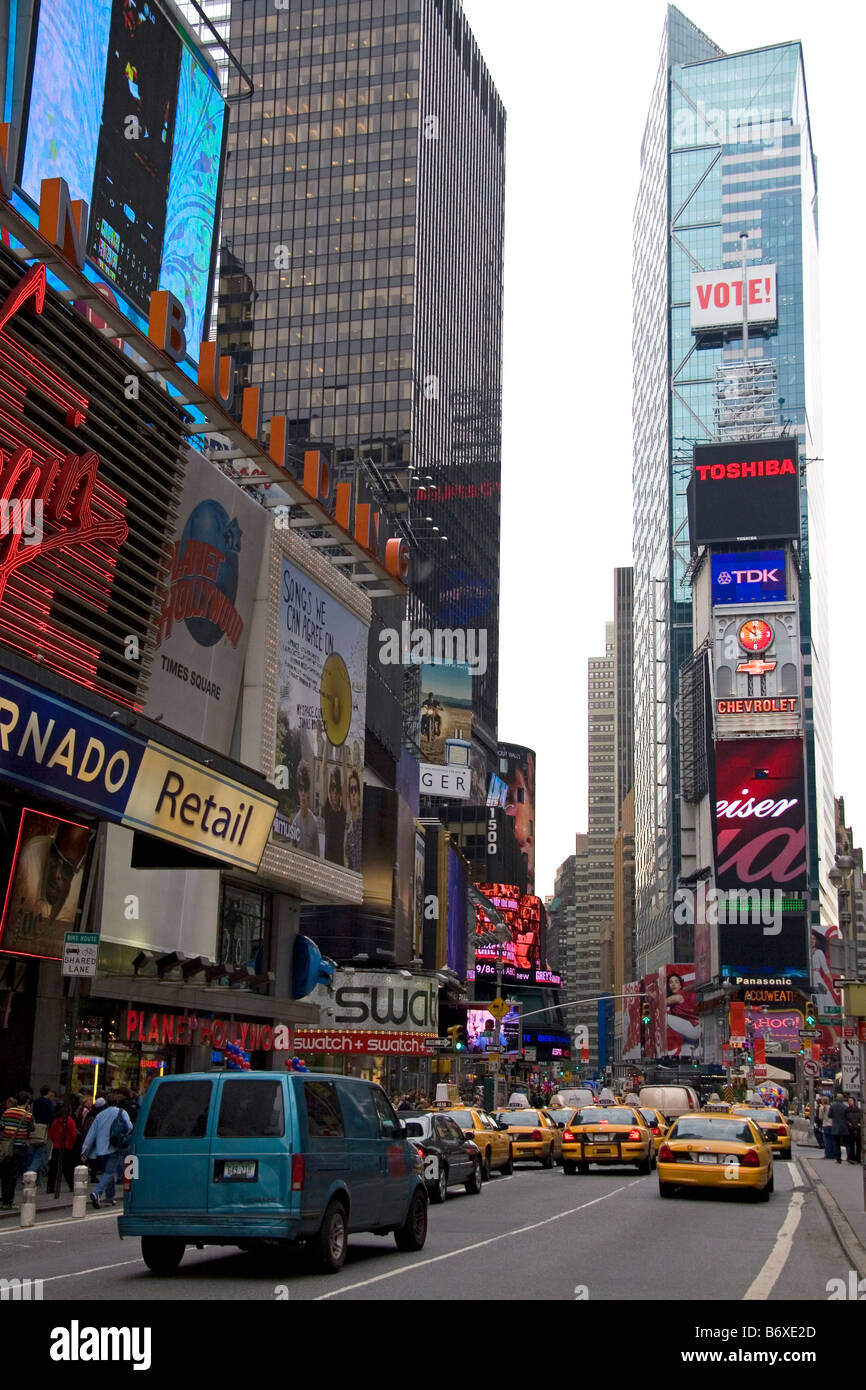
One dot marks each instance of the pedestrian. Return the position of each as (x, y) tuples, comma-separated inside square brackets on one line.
[(818, 1122), (854, 1130), (838, 1116), (827, 1127), (43, 1115), (105, 1139), (64, 1136), (17, 1127)]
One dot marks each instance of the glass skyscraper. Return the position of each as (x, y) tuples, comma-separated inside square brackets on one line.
[(361, 288), (727, 150)]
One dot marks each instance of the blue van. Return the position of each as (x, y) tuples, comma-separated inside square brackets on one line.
[(220, 1158)]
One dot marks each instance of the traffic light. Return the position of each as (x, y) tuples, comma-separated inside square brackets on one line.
[(645, 1013), (457, 1035), (811, 1014)]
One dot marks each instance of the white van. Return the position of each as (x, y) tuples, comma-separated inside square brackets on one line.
[(670, 1100)]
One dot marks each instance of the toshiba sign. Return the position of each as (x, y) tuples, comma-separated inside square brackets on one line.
[(745, 491)]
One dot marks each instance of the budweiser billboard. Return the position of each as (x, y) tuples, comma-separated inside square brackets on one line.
[(760, 814)]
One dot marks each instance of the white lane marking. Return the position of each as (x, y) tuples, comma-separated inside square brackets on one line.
[(60, 1221), (796, 1175), (97, 1269), (762, 1286), (478, 1245)]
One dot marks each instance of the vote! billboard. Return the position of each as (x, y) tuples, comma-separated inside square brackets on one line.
[(716, 299)]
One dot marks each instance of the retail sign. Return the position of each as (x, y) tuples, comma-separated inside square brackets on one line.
[(351, 1042), (51, 746), (756, 670), (80, 953), (362, 999), (745, 490), (717, 298)]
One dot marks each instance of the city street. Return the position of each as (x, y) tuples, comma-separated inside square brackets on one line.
[(538, 1235)]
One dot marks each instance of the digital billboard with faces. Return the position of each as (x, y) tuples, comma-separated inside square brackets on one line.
[(524, 956), (745, 490)]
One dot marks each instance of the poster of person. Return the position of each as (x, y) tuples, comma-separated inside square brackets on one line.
[(631, 1048), (321, 694), (682, 1023), (517, 770), (45, 884), (446, 713)]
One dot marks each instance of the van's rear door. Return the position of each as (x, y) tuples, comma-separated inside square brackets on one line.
[(172, 1148), (250, 1154)]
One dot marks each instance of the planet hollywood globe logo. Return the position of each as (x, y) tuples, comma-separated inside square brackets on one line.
[(203, 577)]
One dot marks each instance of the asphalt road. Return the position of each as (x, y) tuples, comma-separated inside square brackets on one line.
[(538, 1235)]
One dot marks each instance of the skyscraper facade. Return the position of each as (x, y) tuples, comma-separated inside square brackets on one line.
[(361, 286), (726, 155)]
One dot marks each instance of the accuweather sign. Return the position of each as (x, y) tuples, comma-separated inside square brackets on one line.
[(717, 298)]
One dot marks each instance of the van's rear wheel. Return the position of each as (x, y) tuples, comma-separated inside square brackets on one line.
[(413, 1233), (328, 1247), (162, 1254)]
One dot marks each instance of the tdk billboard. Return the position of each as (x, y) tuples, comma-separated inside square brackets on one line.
[(749, 576)]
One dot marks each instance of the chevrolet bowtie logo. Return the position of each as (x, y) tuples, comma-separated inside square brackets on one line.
[(756, 667)]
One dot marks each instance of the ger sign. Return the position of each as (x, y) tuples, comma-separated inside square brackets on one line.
[(717, 297), (749, 576)]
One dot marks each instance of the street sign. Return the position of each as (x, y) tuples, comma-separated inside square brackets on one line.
[(850, 1077), (810, 1032), (439, 1042), (811, 1068), (529, 1054), (80, 953), (849, 1052), (498, 1008)]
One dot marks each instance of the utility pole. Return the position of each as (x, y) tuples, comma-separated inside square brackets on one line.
[(744, 238)]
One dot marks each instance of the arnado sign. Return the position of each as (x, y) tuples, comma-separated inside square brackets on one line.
[(63, 223)]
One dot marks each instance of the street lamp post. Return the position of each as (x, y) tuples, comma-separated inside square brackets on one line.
[(843, 872)]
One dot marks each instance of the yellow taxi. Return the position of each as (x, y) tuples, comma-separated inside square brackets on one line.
[(772, 1124), (656, 1124), (606, 1134), (494, 1143), (724, 1151), (534, 1136)]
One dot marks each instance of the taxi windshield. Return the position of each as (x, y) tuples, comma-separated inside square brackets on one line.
[(763, 1116), (697, 1127), (605, 1115), (530, 1118), (461, 1117)]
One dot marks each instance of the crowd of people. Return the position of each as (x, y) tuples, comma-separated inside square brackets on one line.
[(41, 1134)]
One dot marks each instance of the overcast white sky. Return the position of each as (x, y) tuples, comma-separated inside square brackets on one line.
[(576, 80)]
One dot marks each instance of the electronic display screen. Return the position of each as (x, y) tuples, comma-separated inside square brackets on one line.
[(120, 108), (748, 576), (745, 490)]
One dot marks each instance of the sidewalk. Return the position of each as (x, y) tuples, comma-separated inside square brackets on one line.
[(839, 1187), (45, 1203)]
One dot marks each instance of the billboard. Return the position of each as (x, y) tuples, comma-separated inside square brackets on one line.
[(517, 770), (446, 715), (524, 956), (779, 1029), (760, 815), (203, 625), (675, 1029), (748, 576), (756, 670), (754, 953), (825, 987), (716, 299), (45, 884), (319, 745), (128, 113), (631, 1023), (745, 491)]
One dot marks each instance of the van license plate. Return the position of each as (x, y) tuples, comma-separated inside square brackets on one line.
[(236, 1170)]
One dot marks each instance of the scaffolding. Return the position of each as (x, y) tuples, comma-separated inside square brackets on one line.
[(746, 403)]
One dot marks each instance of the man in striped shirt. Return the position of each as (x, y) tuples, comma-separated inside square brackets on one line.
[(17, 1124)]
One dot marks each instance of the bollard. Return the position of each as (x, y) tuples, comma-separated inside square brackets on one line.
[(28, 1199), (81, 1183)]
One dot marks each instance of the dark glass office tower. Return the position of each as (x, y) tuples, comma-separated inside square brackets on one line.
[(361, 287)]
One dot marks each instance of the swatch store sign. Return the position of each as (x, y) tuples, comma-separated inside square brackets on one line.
[(374, 1012)]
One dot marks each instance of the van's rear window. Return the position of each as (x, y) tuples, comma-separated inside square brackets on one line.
[(251, 1110), (179, 1110)]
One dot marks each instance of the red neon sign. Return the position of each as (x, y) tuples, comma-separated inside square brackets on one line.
[(73, 551)]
